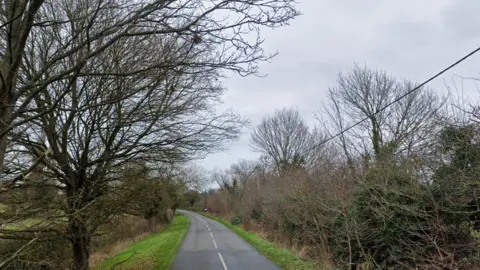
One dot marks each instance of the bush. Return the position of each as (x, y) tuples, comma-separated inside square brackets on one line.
[(371, 214), (257, 212), (236, 220), (399, 225), (45, 254)]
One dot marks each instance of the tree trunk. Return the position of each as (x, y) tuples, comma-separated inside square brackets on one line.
[(77, 229), (6, 103), (21, 19), (80, 245), (377, 142)]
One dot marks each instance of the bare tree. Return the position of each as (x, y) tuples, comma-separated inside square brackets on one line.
[(286, 139), (233, 182), (17, 17), (79, 32), (112, 82), (236, 176), (402, 128), (244, 170), (193, 176)]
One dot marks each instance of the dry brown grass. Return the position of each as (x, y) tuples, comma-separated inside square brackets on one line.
[(144, 264), (141, 265), (129, 229), (114, 248), (302, 251)]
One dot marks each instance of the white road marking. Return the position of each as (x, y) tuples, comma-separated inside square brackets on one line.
[(213, 239), (205, 222), (223, 262)]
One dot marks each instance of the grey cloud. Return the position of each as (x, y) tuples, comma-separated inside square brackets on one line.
[(461, 21), (410, 39)]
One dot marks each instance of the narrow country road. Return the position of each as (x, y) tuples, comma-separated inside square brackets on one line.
[(209, 245)]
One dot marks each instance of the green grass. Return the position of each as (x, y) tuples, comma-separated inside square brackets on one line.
[(280, 256), (22, 224), (157, 251)]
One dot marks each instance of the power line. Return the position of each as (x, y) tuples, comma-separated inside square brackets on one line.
[(397, 99)]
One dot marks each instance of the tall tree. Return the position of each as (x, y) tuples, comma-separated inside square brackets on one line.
[(111, 82), (402, 127), (286, 139)]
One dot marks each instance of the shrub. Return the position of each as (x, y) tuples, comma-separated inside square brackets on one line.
[(399, 225), (44, 254), (236, 220)]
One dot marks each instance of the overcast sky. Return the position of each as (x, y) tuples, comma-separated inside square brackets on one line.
[(411, 39)]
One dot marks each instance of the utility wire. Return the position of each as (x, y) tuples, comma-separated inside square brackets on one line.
[(397, 99)]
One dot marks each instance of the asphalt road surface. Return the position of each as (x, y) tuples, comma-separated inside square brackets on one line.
[(209, 245)]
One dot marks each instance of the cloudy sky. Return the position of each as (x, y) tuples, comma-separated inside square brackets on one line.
[(411, 39)]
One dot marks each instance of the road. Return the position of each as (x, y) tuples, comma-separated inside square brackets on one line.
[(209, 245)]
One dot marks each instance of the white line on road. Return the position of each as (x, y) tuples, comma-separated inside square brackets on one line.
[(214, 242), (213, 239), (205, 222), (223, 262)]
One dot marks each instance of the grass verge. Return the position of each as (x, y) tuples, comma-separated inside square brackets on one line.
[(157, 251), (280, 256)]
